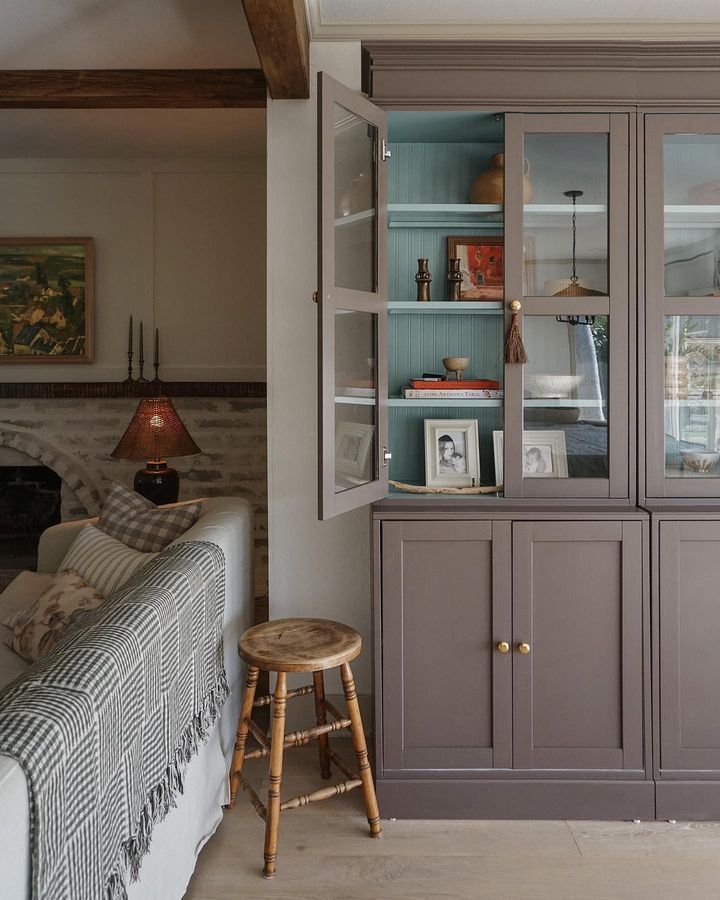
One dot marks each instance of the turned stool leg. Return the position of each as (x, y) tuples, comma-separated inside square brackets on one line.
[(242, 732), (320, 719), (358, 736), (275, 777)]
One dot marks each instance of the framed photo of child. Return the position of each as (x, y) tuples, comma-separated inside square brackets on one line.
[(452, 457)]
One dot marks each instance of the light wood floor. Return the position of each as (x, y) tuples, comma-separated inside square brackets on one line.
[(326, 854)]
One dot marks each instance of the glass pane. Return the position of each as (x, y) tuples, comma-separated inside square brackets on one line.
[(355, 193), (355, 399), (566, 246), (692, 396), (692, 215), (566, 398)]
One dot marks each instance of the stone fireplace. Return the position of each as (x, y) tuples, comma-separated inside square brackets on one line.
[(30, 502), (73, 439)]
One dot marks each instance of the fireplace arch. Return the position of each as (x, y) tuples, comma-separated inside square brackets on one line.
[(88, 491)]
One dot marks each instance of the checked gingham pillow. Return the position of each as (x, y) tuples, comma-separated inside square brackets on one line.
[(138, 523)]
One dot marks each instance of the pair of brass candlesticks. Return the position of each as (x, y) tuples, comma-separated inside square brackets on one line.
[(141, 357), (423, 278)]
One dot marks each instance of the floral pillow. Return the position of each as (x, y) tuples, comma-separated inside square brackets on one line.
[(62, 608)]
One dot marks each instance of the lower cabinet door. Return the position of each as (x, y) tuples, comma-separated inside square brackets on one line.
[(689, 589), (578, 646), (446, 605)]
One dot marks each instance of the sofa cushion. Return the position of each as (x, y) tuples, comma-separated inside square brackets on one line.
[(61, 608), (21, 593), (11, 665), (102, 561), (138, 523)]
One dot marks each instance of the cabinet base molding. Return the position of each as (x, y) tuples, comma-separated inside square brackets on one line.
[(453, 799), (688, 800)]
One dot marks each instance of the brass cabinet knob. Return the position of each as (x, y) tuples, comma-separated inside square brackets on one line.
[(524, 648), (503, 646)]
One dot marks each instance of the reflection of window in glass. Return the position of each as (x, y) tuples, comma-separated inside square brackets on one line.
[(355, 213), (692, 395), (355, 398), (563, 168), (566, 389), (692, 215)]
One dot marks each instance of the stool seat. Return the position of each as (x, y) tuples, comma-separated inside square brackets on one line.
[(299, 645)]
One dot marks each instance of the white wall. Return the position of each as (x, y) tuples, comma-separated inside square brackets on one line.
[(180, 244), (316, 568)]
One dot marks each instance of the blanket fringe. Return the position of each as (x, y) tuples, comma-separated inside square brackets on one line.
[(163, 796)]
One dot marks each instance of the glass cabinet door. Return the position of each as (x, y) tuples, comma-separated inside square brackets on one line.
[(683, 305), (567, 237), (352, 300)]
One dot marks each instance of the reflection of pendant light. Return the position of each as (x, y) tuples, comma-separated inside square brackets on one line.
[(574, 289)]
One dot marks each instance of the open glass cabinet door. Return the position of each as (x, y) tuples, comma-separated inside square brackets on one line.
[(352, 299)]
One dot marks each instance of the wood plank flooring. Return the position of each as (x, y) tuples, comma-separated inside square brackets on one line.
[(326, 854)]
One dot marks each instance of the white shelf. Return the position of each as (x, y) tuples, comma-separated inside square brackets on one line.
[(354, 218), (441, 307), (356, 401), (692, 216), (562, 403), (700, 401), (442, 401), (483, 215)]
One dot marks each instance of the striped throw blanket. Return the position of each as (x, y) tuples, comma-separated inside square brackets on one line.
[(105, 725)]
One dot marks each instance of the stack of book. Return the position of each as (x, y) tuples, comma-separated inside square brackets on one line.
[(472, 389)]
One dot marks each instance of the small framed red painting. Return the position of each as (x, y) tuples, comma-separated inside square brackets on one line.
[(482, 262)]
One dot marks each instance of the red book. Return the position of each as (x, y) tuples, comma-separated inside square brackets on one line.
[(472, 384)]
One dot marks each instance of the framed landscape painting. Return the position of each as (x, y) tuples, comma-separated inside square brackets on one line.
[(46, 300)]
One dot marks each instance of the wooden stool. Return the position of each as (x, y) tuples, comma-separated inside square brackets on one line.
[(300, 645)]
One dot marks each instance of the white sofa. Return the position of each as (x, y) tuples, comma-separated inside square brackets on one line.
[(176, 842)]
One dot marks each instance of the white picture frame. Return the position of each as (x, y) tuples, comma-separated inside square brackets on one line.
[(544, 454), (353, 441), (452, 454)]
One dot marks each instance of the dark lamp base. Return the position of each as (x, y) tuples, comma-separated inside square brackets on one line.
[(158, 483)]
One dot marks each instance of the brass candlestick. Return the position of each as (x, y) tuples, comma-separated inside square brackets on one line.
[(423, 279), (455, 278)]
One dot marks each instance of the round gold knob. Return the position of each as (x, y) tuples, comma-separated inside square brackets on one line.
[(503, 646), (524, 648), (515, 305)]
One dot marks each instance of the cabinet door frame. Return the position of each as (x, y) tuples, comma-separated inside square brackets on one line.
[(332, 297), (629, 759), (674, 761), (621, 376), (655, 127), (396, 761)]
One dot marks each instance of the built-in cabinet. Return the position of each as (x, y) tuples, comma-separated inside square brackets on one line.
[(513, 650), (519, 671)]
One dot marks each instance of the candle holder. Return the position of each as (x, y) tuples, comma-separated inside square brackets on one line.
[(129, 379), (423, 279), (455, 278)]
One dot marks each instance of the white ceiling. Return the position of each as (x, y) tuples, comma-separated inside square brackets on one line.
[(107, 34), (514, 19), (94, 34)]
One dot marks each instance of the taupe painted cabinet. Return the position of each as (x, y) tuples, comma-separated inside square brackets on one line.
[(553, 726), (687, 758)]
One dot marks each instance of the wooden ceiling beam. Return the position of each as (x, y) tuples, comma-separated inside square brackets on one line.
[(280, 32), (132, 88)]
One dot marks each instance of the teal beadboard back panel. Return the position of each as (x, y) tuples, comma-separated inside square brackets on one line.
[(436, 173), (407, 439), (418, 343), (430, 173)]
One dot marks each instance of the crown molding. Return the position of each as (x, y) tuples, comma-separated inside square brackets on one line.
[(625, 30)]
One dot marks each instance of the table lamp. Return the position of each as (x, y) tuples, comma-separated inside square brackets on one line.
[(156, 432)]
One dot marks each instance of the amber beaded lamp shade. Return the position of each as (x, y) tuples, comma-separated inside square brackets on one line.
[(156, 432)]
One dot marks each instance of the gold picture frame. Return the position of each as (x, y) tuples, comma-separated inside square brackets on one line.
[(46, 300)]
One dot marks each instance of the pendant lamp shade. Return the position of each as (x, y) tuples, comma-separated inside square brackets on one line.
[(155, 432)]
